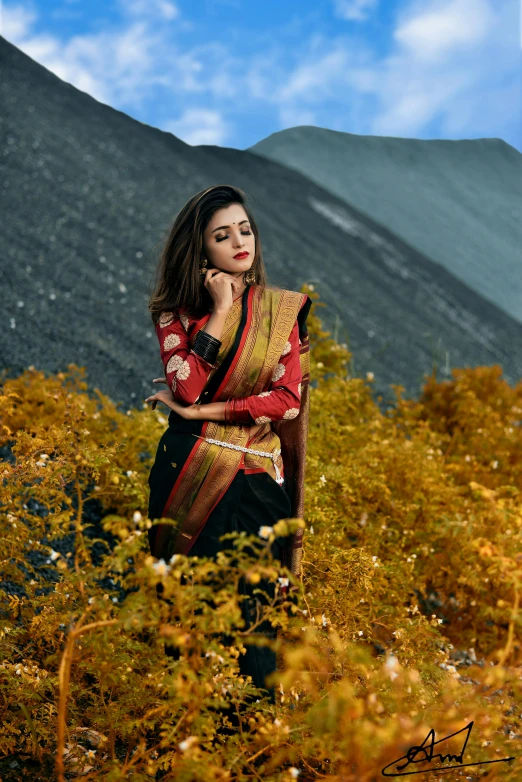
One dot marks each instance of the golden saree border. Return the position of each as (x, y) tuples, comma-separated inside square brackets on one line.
[(210, 468)]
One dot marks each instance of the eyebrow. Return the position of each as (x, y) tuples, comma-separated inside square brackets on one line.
[(227, 226)]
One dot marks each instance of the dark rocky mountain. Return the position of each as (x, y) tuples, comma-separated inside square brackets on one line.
[(87, 194), (458, 202)]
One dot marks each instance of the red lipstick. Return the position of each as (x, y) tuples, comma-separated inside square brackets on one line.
[(239, 256)]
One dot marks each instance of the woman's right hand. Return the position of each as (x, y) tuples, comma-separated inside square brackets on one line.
[(222, 287)]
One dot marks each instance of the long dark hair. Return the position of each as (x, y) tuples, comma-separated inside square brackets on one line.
[(178, 282)]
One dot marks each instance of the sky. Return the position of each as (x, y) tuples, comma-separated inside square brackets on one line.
[(231, 72)]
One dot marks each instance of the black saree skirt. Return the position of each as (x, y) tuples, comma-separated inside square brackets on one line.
[(252, 500)]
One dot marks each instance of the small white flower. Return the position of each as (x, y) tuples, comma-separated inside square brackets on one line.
[(137, 516), (90, 600), (322, 479), (360, 632), (312, 529), (392, 664), (325, 620), (369, 376), (187, 743), (287, 348), (54, 555), (494, 464), (161, 567), (265, 532), (283, 581)]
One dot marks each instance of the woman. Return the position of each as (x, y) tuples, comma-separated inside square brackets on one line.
[(236, 359)]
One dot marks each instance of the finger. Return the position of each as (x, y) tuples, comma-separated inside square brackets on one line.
[(160, 380)]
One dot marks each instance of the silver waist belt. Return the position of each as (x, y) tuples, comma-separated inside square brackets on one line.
[(271, 455)]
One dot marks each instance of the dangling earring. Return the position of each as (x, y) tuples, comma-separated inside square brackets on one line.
[(203, 268), (250, 276)]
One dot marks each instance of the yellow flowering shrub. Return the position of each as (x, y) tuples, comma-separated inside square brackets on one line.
[(407, 618)]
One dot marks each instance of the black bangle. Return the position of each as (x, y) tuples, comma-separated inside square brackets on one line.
[(206, 346)]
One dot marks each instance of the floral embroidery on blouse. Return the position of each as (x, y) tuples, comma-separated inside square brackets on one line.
[(292, 412), (287, 348), (166, 319), (279, 371), (187, 372), (184, 370), (171, 341), (263, 419), (174, 363), (265, 393), (299, 388)]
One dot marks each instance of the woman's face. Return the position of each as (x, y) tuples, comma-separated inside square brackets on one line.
[(228, 233)]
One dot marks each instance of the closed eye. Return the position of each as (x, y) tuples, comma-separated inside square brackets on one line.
[(244, 233)]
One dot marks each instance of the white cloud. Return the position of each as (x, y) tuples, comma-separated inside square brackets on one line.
[(354, 10), (149, 8), (16, 21), (199, 126), (453, 62), (432, 32), (291, 117), (324, 70)]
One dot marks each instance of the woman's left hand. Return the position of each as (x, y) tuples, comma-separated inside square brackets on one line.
[(165, 396)]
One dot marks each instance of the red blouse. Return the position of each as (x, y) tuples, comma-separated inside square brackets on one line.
[(187, 374)]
